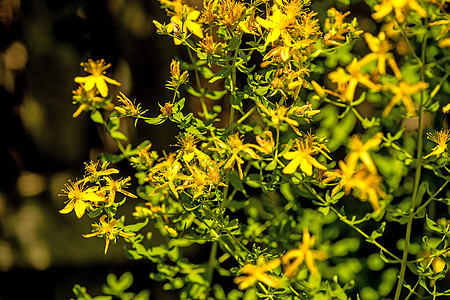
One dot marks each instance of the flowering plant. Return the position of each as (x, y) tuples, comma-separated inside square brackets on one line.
[(322, 162)]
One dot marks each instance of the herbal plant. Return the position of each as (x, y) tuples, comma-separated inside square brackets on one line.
[(329, 154)]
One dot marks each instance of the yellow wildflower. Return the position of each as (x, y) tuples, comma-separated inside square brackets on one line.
[(176, 76), (230, 12), (347, 82), (344, 173), (402, 92), (79, 197), (359, 151), (88, 100), (108, 230), (168, 175), (367, 186), (279, 115), (440, 138), (97, 79), (301, 157), (255, 273), (278, 25), (167, 109), (380, 51), (209, 46), (304, 254), (401, 9), (236, 146), (114, 186), (266, 142), (337, 30), (182, 17), (128, 108), (93, 173)]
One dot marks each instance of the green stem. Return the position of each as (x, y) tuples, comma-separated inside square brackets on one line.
[(431, 198), (417, 176), (212, 262), (349, 223), (197, 82), (411, 292)]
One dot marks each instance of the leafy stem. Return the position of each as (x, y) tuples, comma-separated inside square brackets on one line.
[(349, 223), (418, 172)]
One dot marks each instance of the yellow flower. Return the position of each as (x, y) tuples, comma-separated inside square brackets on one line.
[(114, 186), (255, 273), (278, 25), (209, 46), (266, 142), (127, 108), (359, 151), (367, 186), (440, 138), (347, 82), (79, 197), (380, 51), (279, 115), (181, 12), (294, 258), (167, 109), (97, 79), (108, 230), (401, 9), (93, 173), (168, 175), (88, 100), (301, 157), (235, 146), (230, 12), (402, 92), (344, 173)]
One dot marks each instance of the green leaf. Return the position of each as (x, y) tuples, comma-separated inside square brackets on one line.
[(96, 212), (97, 117), (192, 91), (253, 180), (118, 135), (156, 121), (236, 182), (216, 95), (136, 227), (250, 294), (223, 73), (432, 225), (234, 43), (285, 189), (377, 233), (112, 158)]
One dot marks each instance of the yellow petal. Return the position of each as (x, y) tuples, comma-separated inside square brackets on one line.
[(68, 208), (306, 167), (293, 165), (101, 86), (80, 208)]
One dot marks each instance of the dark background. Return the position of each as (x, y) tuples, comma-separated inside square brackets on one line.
[(42, 43)]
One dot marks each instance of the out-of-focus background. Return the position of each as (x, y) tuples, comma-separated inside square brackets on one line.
[(42, 43)]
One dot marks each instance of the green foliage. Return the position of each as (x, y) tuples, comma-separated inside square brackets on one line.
[(322, 159)]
